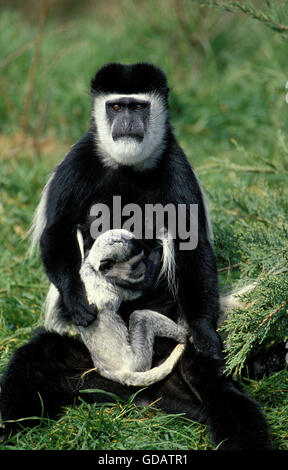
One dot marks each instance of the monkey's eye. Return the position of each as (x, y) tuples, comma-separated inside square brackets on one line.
[(106, 264), (139, 107), (116, 107)]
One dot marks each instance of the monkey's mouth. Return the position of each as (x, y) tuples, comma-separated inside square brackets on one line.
[(128, 137)]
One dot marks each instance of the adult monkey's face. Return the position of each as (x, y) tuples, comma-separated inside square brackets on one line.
[(128, 118), (131, 122)]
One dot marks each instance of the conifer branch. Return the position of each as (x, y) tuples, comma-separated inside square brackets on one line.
[(248, 9)]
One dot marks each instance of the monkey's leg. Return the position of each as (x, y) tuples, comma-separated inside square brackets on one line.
[(236, 421), (144, 326), (46, 374), (42, 376)]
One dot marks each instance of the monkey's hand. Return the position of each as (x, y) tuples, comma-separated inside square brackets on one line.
[(79, 312)]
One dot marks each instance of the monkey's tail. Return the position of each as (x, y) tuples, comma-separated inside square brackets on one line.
[(149, 377)]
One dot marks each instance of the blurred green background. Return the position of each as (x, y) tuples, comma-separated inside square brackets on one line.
[(227, 72)]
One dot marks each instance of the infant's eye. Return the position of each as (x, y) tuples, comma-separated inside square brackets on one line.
[(116, 107), (139, 107), (106, 264)]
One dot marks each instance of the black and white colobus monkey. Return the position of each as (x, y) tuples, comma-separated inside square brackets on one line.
[(130, 151)]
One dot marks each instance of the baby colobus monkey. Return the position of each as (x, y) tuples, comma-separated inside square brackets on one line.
[(113, 272)]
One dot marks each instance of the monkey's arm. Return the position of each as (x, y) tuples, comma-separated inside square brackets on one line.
[(60, 252), (198, 300), (196, 272), (60, 256)]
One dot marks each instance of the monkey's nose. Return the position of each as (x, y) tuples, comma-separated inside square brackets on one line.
[(127, 128)]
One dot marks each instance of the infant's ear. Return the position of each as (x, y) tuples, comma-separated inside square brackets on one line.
[(81, 244)]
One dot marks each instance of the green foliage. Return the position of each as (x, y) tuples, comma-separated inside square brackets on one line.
[(229, 113), (120, 426), (258, 247), (271, 13)]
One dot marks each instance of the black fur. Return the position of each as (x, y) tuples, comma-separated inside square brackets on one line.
[(81, 180), (45, 375), (48, 364), (137, 78)]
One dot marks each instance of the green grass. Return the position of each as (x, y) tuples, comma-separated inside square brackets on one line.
[(228, 109), (115, 427)]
